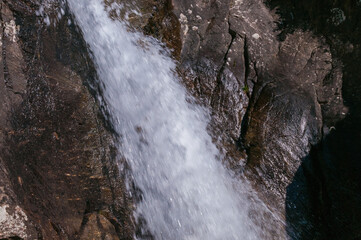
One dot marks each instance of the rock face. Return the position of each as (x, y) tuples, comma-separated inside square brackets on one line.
[(274, 95), (333, 165), (59, 178), (284, 100)]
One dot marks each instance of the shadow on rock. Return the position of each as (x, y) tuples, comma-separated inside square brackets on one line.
[(301, 210), (323, 201)]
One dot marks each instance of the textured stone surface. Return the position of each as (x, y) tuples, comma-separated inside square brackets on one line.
[(275, 81), (271, 97), (331, 171), (57, 157)]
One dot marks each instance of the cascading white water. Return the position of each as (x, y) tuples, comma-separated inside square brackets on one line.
[(187, 193)]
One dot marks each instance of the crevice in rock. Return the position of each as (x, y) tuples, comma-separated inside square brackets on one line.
[(58, 229), (251, 96), (85, 218), (101, 228), (217, 89), (257, 91), (247, 62)]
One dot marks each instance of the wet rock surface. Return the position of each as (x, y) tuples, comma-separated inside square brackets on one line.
[(275, 82), (59, 176), (333, 165), (281, 81)]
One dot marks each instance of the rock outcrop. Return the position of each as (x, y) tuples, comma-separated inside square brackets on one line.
[(281, 82), (274, 95), (333, 165), (59, 177)]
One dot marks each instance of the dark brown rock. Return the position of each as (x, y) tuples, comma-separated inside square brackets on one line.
[(276, 98), (331, 171), (270, 97), (61, 173)]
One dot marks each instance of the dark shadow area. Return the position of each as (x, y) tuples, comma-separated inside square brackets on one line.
[(324, 199), (301, 204)]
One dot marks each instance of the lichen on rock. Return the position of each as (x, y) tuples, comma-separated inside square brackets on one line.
[(12, 222), (11, 30)]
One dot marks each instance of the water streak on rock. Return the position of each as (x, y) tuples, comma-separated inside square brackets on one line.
[(187, 193)]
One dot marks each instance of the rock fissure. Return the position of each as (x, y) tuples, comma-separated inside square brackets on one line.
[(219, 76), (247, 63)]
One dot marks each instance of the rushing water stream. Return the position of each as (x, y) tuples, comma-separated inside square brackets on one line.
[(187, 193)]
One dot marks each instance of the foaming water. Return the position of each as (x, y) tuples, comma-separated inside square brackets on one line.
[(187, 193)]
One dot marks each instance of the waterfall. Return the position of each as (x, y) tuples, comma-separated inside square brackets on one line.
[(186, 192)]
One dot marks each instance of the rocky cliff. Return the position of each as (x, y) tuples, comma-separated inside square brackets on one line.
[(281, 80), (59, 179)]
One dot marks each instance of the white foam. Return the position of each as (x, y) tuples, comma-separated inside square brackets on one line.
[(187, 193)]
